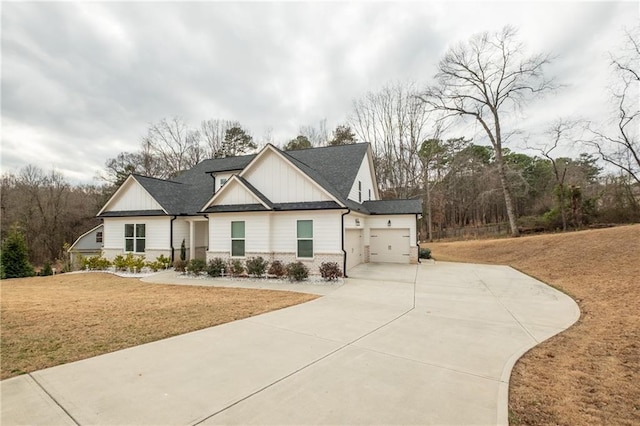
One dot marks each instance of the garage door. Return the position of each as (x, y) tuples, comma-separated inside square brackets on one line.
[(353, 247), (390, 245)]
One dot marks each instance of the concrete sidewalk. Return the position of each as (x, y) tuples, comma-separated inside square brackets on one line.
[(396, 344)]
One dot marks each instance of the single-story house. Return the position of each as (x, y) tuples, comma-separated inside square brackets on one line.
[(313, 205), (88, 244)]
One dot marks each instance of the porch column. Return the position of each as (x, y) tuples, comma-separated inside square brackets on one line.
[(192, 239)]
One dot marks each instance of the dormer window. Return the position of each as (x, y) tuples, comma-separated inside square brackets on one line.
[(222, 182)]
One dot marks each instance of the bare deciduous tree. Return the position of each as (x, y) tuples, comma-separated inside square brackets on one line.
[(621, 148), (483, 78), (213, 132), (396, 123), (174, 144)]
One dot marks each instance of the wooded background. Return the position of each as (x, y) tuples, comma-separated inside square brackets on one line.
[(420, 150)]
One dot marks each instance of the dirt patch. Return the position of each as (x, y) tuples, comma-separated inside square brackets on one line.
[(48, 321), (589, 374)]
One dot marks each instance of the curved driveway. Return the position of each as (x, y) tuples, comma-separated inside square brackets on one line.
[(396, 344)]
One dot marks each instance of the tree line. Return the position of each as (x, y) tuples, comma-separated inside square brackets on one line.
[(419, 151)]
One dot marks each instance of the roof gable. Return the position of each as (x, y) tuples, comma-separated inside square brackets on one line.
[(283, 179), (131, 195), (237, 191)]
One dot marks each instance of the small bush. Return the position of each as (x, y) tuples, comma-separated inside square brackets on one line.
[(216, 267), (163, 260), (135, 263), (46, 269), (330, 271), (297, 271), (425, 253), (119, 263), (180, 265), (235, 267), (95, 263), (277, 269), (155, 266), (256, 266), (196, 266)]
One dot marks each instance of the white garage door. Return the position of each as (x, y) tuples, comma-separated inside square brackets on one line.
[(390, 245), (353, 247)]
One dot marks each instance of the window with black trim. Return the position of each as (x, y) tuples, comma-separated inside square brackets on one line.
[(305, 238), (237, 239), (99, 237), (134, 237), (359, 191)]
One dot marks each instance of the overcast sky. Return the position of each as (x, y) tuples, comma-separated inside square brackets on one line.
[(82, 81)]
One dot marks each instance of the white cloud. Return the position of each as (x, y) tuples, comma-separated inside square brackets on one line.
[(81, 82)]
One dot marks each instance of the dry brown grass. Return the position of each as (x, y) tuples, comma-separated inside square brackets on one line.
[(589, 374), (48, 321)]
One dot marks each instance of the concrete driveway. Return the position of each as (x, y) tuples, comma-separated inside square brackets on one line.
[(396, 344)]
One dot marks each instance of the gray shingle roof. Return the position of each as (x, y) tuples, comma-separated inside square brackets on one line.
[(334, 168), (394, 206)]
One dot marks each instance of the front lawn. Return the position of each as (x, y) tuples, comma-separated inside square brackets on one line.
[(47, 321)]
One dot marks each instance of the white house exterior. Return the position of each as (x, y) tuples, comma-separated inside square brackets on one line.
[(313, 205)]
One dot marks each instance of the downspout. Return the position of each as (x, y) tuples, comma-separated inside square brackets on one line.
[(171, 238), (344, 258), (417, 239)]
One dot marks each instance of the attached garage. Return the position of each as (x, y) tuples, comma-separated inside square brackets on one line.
[(353, 247), (390, 245)]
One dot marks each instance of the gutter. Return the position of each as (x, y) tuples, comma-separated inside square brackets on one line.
[(344, 258)]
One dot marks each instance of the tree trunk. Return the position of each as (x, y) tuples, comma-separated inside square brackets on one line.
[(515, 232)]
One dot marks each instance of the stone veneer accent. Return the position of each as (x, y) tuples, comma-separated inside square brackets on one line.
[(367, 254), (413, 255), (312, 264)]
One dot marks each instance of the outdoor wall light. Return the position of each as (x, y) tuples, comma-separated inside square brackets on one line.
[(389, 223), (357, 222)]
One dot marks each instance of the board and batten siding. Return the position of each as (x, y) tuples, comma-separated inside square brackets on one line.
[(134, 197), (281, 182), (156, 232), (236, 194), (180, 232), (219, 177), (363, 176)]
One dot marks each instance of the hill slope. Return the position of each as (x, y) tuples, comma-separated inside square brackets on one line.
[(590, 373)]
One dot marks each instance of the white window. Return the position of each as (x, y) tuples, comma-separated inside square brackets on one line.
[(222, 181), (134, 237), (237, 239), (305, 238)]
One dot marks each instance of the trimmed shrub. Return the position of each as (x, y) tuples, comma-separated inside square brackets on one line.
[(425, 253), (277, 269), (95, 263), (330, 271), (196, 266), (119, 262), (216, 267), (297, 271), (180, 265), (236, 268), (256, 266), (163, 260), (183, 251)]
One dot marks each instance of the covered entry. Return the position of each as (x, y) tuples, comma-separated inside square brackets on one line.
[(353, 247), (390, 245)]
